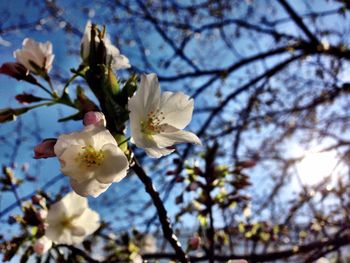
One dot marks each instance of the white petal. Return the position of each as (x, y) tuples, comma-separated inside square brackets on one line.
[(85, 43), (39, 53), (114, 165), (78, 231), (147, 96), (100, 136), (158, 152), (64, 141), (75, 204), (54, 232), (23, 57), (89, 187), (177, 109), (168, 139), (56, 213), (89, 221)]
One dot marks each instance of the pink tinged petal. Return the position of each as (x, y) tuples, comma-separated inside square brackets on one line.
[(94, 118), (42, 245), (177, 109), (90, 187), (158, 152), (114, 167), (45, 149), (167, 139)]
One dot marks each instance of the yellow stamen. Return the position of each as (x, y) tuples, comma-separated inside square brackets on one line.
[(90, 157), (152, 125)]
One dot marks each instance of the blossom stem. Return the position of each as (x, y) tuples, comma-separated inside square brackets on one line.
[(162, 213), (126, 140)]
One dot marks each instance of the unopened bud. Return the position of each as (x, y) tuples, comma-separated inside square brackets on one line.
[(94, 118), (42, 245), (45, 149)]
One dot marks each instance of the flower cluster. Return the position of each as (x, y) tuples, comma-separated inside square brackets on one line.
[(97, 155)]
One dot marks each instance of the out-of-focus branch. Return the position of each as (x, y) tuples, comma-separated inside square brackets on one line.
[(340, 241)]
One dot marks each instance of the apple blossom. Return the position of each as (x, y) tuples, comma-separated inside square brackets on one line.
[(92, 160), (70, 220), (157, 119), (114, 58), (36, 53), (42, 245)]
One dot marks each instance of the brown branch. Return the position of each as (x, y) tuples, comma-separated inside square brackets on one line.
[(162, 213), (80, 252), (298, 20)]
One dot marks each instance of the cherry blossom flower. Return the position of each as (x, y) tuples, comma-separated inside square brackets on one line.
[(42, 245), (157, 119), (70, 220), (92, 160), (34, 55), (114, 58)]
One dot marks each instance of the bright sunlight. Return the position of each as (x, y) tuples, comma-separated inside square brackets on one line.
[(315, 166)]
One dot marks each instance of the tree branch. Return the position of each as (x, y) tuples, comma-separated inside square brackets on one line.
[(162, 213)]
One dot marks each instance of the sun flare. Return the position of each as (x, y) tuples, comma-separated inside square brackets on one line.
[(315, 166)]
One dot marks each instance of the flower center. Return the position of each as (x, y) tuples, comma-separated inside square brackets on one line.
[(66, 222), (152, 125), (90, 157)]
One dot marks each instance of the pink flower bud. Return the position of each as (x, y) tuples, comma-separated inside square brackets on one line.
[(194, 242), (42, 245), (94, 118), (45, 149)]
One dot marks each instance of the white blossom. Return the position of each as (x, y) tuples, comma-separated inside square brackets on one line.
[(35, 52), (157, 119), (70, 220), (114, 58), (92, 160)]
